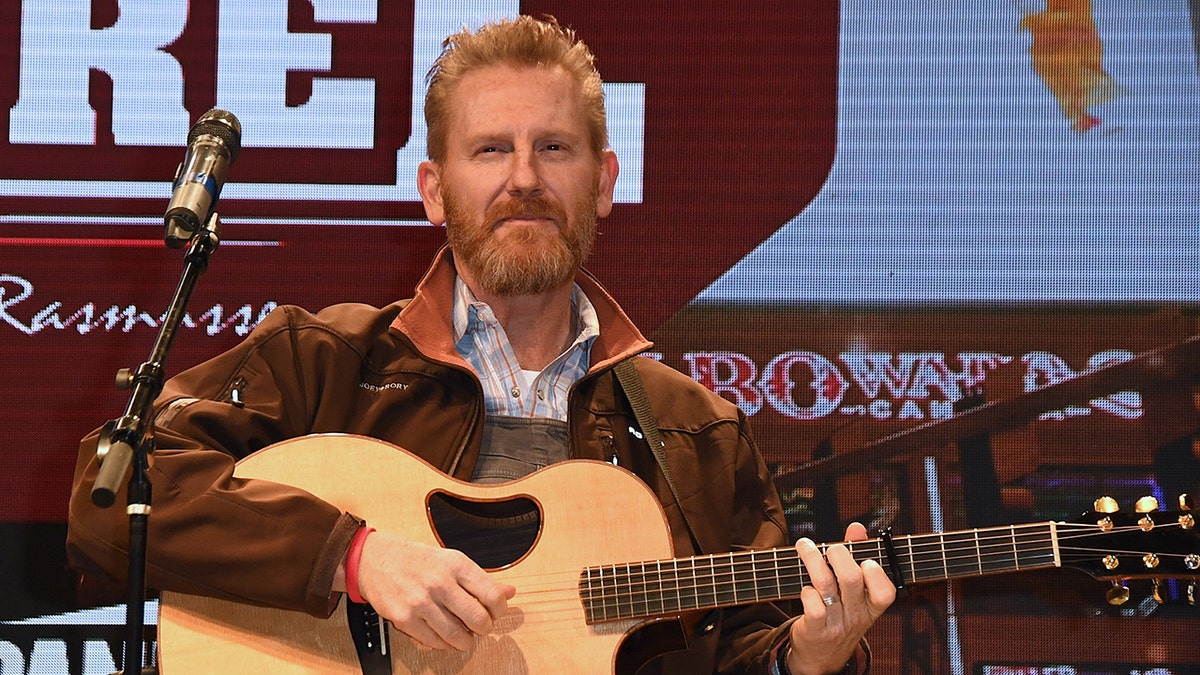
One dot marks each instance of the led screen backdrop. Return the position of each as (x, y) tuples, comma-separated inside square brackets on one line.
[(925, 247)]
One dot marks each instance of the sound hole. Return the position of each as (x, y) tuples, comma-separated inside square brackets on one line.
[(495, 534)]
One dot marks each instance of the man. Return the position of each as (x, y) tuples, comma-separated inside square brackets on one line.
[(507, 347)]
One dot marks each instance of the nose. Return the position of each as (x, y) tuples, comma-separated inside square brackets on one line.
[(524, 176)]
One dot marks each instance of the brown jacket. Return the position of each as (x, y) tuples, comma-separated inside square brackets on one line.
[(393, 374)]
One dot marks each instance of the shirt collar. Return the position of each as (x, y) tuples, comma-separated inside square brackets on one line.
[(469, 311)]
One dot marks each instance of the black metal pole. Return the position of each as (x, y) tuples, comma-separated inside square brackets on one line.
[(128, 441), (139, 521)]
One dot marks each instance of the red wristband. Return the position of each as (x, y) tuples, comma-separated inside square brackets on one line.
[(353, 557)]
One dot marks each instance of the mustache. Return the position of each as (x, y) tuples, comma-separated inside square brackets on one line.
[(536, 207)]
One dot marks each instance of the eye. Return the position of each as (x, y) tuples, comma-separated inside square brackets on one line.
[(491, 148), (556, 148)]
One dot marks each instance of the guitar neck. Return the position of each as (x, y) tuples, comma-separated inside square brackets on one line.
[(665, 587)]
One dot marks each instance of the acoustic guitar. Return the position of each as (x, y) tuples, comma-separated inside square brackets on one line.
[(593, 567)]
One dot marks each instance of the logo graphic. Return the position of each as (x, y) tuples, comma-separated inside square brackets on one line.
[(330, 102)]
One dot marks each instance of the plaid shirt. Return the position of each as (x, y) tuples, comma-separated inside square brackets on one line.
[(481, 340)]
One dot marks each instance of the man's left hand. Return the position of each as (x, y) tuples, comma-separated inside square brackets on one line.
[(842, 602)]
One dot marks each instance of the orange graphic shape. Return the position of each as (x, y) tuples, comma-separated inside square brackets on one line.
[(1067, 54)]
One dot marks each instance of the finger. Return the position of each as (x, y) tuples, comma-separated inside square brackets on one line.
[(450, 629), (466, 610), (856, 532), (420, 631), (819, 574), (816, 611), (492, 595), (849, 576), (881, 592)]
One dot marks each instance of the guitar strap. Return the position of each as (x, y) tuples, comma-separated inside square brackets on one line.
[(631, 382)]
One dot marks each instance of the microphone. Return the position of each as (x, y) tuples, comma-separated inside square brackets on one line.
[(213, 144)]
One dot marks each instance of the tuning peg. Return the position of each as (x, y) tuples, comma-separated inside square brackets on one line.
[(1192, 561), (1187, 502), (1159, 596), (1118, 594), (1191, 593), (1105, 505), (1146, 505)]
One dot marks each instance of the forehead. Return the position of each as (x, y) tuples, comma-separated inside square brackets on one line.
[(515, 100)]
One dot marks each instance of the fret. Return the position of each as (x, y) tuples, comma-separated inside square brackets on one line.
[(928, 557), (587, 595), (791, 574), (595, 596), (640, 593), (654, 594), (676, 601), (723, 584), (732, 585), (622, 593), (663, 578), (960, 554), (646, 581), (871, 549), (693, 588), (999, 553), (603, 593), (1034, 545), (755, 577), (777, 577), (706, 589), (942, 542), (773, 574), (745, 581), (978, 552), (763, 575)]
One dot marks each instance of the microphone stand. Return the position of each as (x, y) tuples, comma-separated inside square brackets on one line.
[(128, 440)]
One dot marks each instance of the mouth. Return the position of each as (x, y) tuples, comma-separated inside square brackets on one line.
[(526, 219)]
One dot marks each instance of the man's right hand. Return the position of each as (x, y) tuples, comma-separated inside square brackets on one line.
[(439, 597)]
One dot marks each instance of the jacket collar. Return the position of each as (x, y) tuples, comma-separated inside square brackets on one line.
[(427, 320)]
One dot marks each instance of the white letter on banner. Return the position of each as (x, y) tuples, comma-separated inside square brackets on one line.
[(59, 47), (254, 54), (12, 661)]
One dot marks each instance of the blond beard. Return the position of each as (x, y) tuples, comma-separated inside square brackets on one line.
[(525, 261)]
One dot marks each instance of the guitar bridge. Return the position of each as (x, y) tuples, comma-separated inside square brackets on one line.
[(370, 634)]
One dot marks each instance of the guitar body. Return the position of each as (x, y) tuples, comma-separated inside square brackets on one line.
[(590, 513)]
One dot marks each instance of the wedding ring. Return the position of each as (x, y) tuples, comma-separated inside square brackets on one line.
[(829, 600)]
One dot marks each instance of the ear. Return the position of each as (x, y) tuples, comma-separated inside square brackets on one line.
[(429, 184), (609, 168)]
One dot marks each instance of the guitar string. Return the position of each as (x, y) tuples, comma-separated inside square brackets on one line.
[(945, 555), (561, 616), (944, 550), (635, 586)]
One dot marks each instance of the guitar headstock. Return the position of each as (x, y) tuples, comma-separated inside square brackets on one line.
[(1145, 543)]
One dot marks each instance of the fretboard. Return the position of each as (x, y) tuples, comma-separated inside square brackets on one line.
[(665, 587)]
